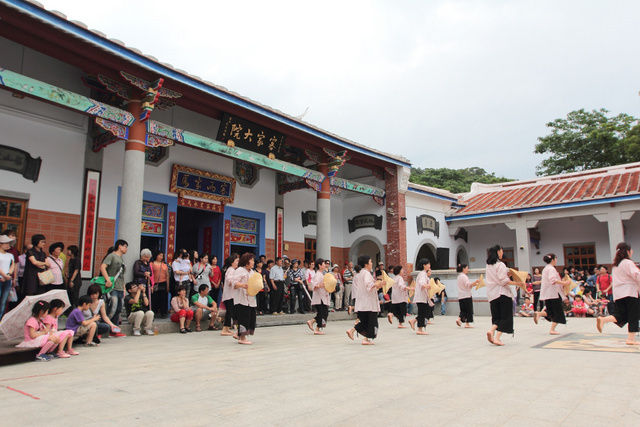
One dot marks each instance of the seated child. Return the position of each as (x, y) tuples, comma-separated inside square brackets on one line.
[(137, 305), (36, 334), (603, 303), (579, 309), (83, 328), (51, 321), (591, 303), (204, 307), (527, 308)]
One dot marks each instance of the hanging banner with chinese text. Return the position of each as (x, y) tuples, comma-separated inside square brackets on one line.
[(89, 222)]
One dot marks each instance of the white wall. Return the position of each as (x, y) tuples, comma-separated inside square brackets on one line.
[(483, 237), (61, 147), (420, 204)]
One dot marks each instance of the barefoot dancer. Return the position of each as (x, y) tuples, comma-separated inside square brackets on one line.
[(552, 293), (230, 266), (464, 296), (626, 284), (367, 304), (399, 297), (245, 305), (422, 297), (319, 299), (499, 295)]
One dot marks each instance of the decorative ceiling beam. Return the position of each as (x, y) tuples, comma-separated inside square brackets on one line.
[(199, 141), (65, 98)]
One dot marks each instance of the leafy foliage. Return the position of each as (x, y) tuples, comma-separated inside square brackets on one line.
[(454, 180), (589, 140)]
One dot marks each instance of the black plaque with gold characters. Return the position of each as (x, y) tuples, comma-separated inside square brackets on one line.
[(250, 136)]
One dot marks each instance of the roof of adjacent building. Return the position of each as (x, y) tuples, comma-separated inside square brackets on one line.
[(81, 31), (606, 185)]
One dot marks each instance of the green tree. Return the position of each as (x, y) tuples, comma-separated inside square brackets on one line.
[(454, 180), (588, 140)]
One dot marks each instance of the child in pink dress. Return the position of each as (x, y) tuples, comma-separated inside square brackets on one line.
[(66, 336), (36, 334), (579, 308)]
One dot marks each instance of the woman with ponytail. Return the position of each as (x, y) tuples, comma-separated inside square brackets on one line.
[(464, 296), (367, 304), (319, 298), (500, 296), (552, 293), (626, 288)]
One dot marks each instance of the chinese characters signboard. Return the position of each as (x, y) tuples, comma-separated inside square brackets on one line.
[(250, 136), (428, 223), (364, 221), (309, 218), (193, 182), (199, 204)]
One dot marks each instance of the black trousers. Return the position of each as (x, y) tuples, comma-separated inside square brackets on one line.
[(502, 314), (399, 311), (322, 313), (423, 314), (628, 311), (276, 297), (246, 318), (368, 325), (229, 313), (466, 310), (536, 299), (555, 311), (160, 299), (296, 289)]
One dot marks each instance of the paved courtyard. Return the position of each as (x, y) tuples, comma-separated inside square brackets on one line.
[(291, 377)]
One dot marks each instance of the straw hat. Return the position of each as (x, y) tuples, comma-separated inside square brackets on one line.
[(571, 285), (436, 287), (255, 284), (481, 283), (330, 282), (389, 282), (519, 276)]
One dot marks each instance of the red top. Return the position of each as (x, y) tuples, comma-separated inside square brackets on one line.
[(216, 274), (605, 283)]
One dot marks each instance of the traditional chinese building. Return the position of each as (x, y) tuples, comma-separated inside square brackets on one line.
[(100, 141)]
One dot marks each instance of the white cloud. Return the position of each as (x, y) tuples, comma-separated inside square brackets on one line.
[(444, 83)]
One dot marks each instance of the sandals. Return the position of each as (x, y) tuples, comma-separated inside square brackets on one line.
[(198, 329), (183, 331), (212, 328), (91, 344)]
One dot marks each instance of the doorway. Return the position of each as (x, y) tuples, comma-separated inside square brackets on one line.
[(190, 230)]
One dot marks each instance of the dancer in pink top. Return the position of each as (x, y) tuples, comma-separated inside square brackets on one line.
[(421, 297), (367, 304), (552, 293), (500, 296), (399, 297), (626, 291), (464, 296), (319, 299)]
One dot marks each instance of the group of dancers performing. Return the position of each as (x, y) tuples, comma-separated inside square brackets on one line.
[(240, 302)]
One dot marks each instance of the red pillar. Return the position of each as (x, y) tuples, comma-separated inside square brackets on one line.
[(396, 227)]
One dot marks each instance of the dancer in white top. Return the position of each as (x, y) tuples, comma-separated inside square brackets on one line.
[(464, 296), (367, 303), (399, 297), (626, 290)]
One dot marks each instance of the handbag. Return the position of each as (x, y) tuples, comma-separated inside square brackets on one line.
[(46, 277)]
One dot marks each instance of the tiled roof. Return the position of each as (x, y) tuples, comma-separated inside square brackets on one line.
[(594, 185), (84, 33)]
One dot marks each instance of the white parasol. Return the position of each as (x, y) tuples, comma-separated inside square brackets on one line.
[(12, 325)]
